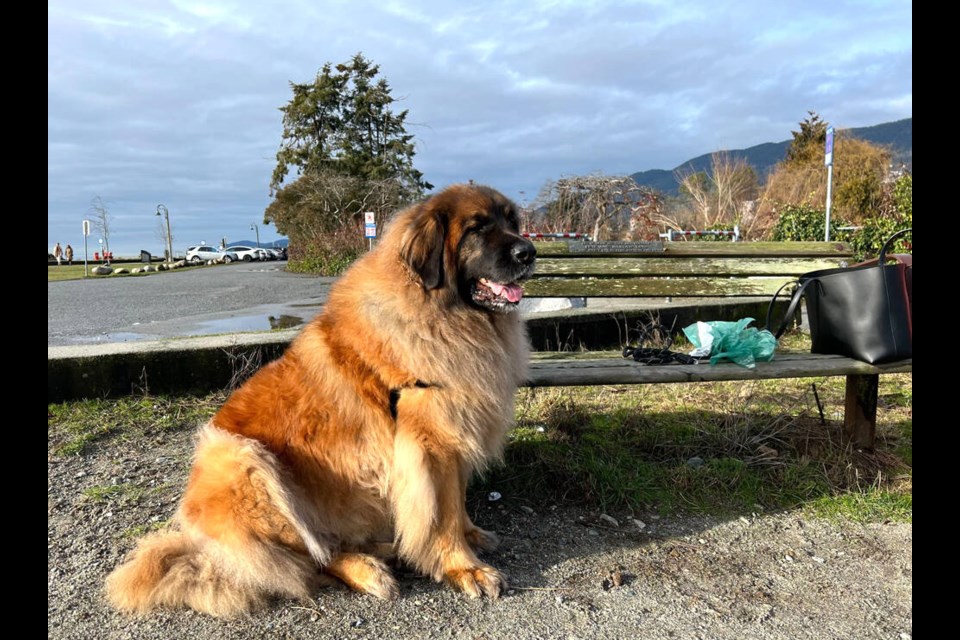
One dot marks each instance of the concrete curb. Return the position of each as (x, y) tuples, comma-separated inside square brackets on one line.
[(176, 366), (196, 365)]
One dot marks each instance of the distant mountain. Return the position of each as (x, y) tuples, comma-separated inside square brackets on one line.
[(276, 244), (898, 136)]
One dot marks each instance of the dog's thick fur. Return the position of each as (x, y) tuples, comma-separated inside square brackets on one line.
[(358, 442)]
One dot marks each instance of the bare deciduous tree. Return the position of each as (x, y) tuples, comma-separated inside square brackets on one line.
[(318, 206), (160, 231), (596, 204), (101, 220), (720, 196)]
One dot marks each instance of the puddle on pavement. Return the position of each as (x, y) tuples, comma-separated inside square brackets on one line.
[(284, 321), (267, 318), (245, 323)]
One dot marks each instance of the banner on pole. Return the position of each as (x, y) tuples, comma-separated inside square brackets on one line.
[(828, 154)]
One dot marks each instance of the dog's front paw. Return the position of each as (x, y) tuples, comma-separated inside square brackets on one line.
[(482, 540), (477, 581)]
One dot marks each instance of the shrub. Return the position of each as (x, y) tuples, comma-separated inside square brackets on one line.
[(328, 254), (803, 222), (897, 214), (858, 173)]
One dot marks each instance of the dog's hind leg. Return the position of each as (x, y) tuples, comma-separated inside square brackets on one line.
[(364, 573), (481, 540)]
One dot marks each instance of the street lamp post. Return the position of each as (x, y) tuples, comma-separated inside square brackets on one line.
[(254, 227), (166, 215)]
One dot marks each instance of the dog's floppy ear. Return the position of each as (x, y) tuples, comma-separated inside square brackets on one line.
[(422, 247)]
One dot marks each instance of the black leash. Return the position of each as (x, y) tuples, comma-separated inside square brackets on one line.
[(655, 355)]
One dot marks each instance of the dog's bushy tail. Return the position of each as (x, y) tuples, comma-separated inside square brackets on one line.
[(168, 569), (263, 545)]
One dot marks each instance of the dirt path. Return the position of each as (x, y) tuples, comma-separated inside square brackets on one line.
[(573, 575)]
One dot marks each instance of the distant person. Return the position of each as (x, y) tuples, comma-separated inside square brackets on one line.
[(69, 254), (58, 253)]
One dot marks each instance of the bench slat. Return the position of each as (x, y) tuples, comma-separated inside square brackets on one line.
[(743, 249), (549, 287), (593, 369), (657, 265)]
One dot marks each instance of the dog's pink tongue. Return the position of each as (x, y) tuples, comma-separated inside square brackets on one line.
[(511, 292)]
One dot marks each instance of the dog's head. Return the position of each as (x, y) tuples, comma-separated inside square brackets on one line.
[(466, 241)]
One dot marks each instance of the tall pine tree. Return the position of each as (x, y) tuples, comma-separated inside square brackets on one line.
[(350, 153), (344, 121)]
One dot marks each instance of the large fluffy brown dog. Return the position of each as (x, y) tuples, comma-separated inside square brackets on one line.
[(359, 442)]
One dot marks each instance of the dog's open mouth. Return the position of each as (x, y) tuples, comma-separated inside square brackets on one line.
[(497, 296)]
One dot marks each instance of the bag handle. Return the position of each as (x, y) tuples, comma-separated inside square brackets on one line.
[(882, 258), (792, 309), (905, 259)]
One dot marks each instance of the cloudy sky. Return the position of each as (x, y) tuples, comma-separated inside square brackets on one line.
[(176, 102)]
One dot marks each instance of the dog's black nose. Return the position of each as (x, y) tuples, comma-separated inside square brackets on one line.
[(524, 252)]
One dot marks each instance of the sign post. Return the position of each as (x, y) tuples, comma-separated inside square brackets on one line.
[(86, 232), (828, 160), (369, 227)]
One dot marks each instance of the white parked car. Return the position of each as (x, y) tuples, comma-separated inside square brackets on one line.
[(204, 253), (272, 254), (248, 253)]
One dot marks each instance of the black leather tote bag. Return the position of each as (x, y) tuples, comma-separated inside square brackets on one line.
[(863, 311)]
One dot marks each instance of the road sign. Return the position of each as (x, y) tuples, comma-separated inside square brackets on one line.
[(86, 228), (369, 217), (370, 230)]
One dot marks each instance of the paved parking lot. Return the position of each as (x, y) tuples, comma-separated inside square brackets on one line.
[(194, 301)]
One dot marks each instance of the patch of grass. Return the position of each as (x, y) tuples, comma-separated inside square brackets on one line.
[(75, 271), (880, 505), (73, 427), (903, 442), (65, 272), (142, 529), (721, 448), (102, 493)]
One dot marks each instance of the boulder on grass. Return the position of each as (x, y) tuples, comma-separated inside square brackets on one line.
[(102, 270)]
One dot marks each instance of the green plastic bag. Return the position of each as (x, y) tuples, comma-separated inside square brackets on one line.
[(733, 341)]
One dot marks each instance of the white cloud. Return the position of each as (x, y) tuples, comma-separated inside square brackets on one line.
[(176, 102)]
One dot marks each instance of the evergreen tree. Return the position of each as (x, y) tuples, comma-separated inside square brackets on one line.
[(350, 152), (810, 141), (344, 121), (312, 123)]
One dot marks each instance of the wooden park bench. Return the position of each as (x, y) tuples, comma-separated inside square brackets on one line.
[(679, 282), (682, 282)]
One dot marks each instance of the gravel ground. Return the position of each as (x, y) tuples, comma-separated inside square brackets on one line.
[(573, 573)]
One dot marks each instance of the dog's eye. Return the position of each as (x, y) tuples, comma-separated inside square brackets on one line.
[(482, 225)]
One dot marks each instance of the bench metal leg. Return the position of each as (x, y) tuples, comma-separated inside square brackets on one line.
[(860, 410)]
